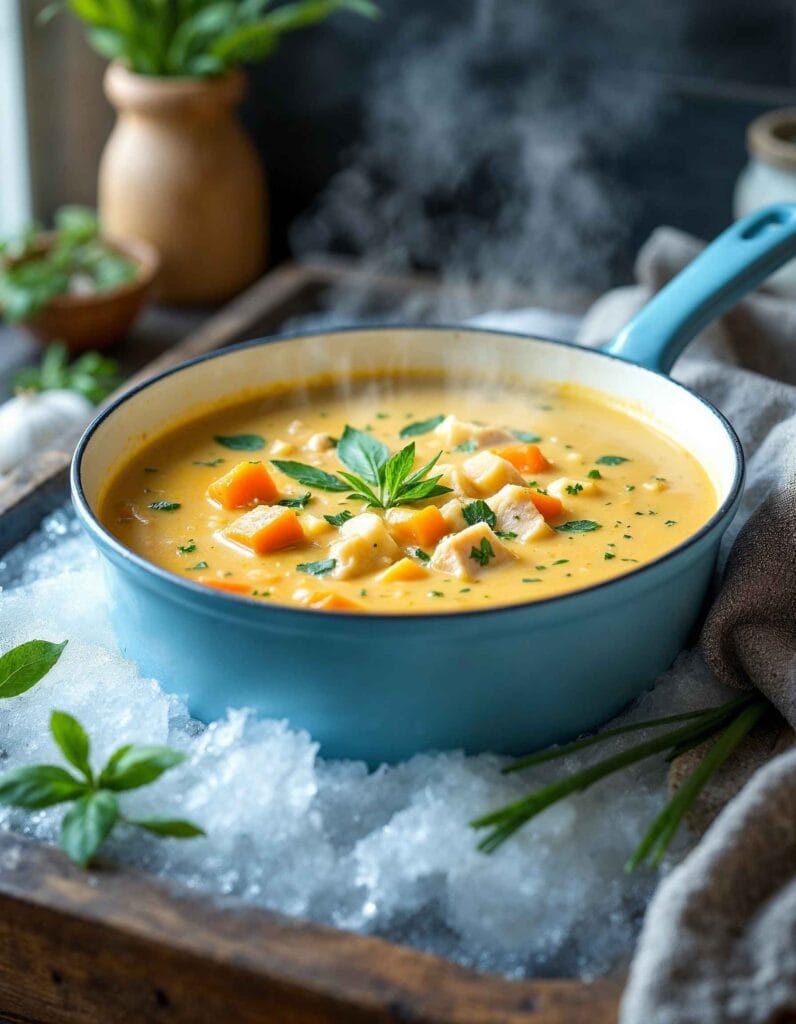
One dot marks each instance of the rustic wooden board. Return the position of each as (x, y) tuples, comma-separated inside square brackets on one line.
[(116, 947)]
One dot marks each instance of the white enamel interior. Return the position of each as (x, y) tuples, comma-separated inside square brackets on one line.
[(484, 354)]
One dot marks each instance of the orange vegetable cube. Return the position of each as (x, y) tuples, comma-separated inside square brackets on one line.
[(244, 484), (266, 528), (549, 506), (401, 571), (527, 458), (423, 528), (231, 586), (330, 602)]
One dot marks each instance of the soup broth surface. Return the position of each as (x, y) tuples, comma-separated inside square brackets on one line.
[(551, 488)]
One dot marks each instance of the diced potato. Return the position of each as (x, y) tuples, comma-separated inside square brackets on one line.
[(314, 526), (558, 488), (527, 458), (451, 476), (245, 484), (422, 527), (266, 528), (516, 512), (295, 427), (364, 546), (452, 513), (488, 472), (280, 448), (402, 571), (469, 553), (453, 432), (319, 443)]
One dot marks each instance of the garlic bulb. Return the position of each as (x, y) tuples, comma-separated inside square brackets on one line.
[(32, 420)]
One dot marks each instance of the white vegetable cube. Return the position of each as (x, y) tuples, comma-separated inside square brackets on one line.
[(319, 443), (655, 485), (280, 447), (515, 512), (469, 553), (453, 432), (488, 472), (364, 546), (452, 513), (454, 478), (314, 526), (566, 488)]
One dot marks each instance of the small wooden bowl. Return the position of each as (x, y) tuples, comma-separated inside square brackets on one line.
[(97, 320)]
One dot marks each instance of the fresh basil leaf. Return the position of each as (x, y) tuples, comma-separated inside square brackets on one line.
[(24, 665), (310, 476), (478, 512), (320, 568), (176, 828), (361, 490), (363, 454), (578, 526), (164, 506), (88, 824), (339, 518), (241, 442), (423, 490), (72, 740), (39, 785), (132, 766), (421, 427), (423, 471), (398, 468), (523, 435), (611, 460), (300, 502)]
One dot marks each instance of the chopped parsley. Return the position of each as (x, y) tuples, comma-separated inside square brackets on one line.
[(483, 553), (595, 474), (241, 442), (164, 506), (578, 526), (574, 488), (535, 579), (421, 427), (199, 565), (523, 435), (630, 487), (299, 502), (319, 568), (466, 446), (611, 460), (186, 549), (608, 556), (506, 534), (478, 512), (670, 522), (561, 561), (435, 593), (421, 555), (340, 518)]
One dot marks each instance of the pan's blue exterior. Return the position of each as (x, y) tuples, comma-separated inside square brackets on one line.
[(383, 687)]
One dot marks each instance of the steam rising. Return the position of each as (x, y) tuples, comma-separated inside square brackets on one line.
[(488, 147)]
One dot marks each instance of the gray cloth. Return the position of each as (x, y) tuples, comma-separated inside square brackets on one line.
[(719, 938)]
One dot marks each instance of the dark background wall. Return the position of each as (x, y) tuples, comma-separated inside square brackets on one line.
[(511, 137)]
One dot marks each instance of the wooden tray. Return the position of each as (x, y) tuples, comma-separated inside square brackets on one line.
[(115, 947)]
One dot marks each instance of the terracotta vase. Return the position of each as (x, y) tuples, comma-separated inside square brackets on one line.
[(179, 172)]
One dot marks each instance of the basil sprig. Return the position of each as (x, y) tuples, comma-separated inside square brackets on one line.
[(95, 809), (372, 475)]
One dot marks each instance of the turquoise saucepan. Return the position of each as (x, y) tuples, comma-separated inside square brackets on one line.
[(382, 687)]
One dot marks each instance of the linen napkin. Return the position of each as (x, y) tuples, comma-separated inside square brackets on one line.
[(719, 939)]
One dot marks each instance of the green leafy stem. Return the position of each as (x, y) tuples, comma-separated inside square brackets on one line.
[(728, 724), (95, 809), (372, 474)]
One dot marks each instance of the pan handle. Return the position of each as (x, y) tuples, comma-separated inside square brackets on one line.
[(732, 265)]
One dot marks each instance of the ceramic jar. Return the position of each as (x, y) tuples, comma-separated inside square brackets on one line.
[(179, 172)]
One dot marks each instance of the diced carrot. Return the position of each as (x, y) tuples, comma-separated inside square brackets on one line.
[(243, 485), (549, 506), (527, 458), (266, 528), (424, 527), (330, 602), (231, 586), (403, 570)]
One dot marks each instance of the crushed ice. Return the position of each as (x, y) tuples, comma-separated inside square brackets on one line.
[(387, 852)]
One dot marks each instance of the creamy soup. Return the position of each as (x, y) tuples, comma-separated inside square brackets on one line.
[(408, 495)]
